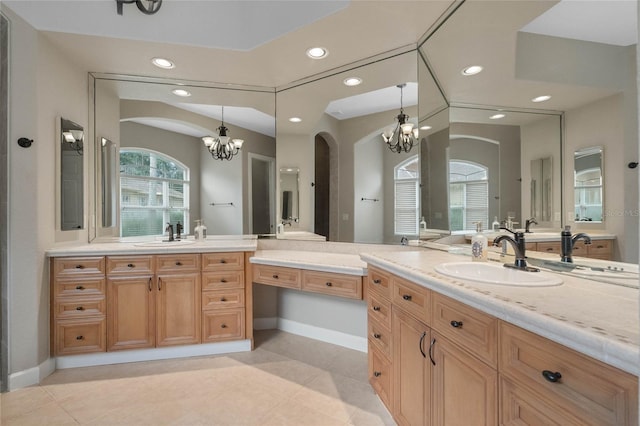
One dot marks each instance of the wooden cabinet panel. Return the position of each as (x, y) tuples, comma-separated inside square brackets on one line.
[(379, 310), (380, 375), (349, 286), (220, 325), (379, 282), (468, 327), (80, 287), (131, 313), (223, 261), (73, 266), (178, 309), (590, 390), (222, 280), (77, 336), (600, 248), (231, 298), (550, 247), (177, 263), (412, 298), (130, 265), (411, 370), (79, 307), (379, 336), (277, 276), (465, 389)]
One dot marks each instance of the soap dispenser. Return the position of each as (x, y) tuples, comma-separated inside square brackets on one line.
[(495, 226), (197, 231), (479, 245), (423, 224)]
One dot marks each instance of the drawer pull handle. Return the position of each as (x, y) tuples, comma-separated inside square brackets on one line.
[(549, 248), (377, 281), (223, 326), (599, 246), (376, 308), (149, 284), (79, 266), (328, 284), (551, 376), (377, 373), (275, 276), (79, 308), (223, 261), (456, 324), (376, 335), (222, 280), (79, 287), (406, 297), (80, 337), (178, 263), (159, 284), (433, 342), (223, 299), (424, 334), (131, 265)]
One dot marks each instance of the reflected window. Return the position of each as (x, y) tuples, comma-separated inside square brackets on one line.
[(154, 191), (588, 195), (406, 190), (468, 195)]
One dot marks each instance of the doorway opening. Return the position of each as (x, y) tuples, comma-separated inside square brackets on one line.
[(322, 177), (262, 208)]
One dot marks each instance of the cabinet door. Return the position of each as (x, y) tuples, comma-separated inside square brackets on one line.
[(465, 389), (411, 370), (130, 313), (178, 309)]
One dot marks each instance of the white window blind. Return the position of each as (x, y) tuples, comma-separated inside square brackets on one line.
[(406, 207)]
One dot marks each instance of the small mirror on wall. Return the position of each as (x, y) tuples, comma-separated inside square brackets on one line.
[(71, 175), (289, 194), (541, 189), (588, 184), (109, 184)]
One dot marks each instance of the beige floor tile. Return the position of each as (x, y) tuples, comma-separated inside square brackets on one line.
[(47, 414), (23, 401), (367, 418), (299, 415)]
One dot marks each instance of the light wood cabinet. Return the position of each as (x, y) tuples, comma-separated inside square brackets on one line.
[(349, 286), (380, 375), (178, 309), (131, 312), (598, 249), (277, 276)]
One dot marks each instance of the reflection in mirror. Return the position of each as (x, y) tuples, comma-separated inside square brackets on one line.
[(541, 188), (109, 185), (71, 175), (588, 184), (289, 195)]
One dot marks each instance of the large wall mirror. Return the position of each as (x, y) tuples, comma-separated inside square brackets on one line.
[(153, 167), (71, 175)]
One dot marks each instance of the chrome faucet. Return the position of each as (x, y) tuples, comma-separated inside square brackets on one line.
[(568, 241), (169, 229), (518, 247), (528, 223), (179, 229)]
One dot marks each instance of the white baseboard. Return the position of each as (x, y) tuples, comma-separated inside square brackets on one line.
[(323, 334), (269, 323), (31, 376)]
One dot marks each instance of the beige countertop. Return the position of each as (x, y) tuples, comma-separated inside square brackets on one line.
[(594, 318), (544, 236), (339, 263)]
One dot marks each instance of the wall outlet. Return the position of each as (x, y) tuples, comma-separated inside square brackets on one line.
[(345, 216)]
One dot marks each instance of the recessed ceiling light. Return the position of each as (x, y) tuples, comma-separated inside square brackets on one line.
[(425, 128), (295, 119), (163, 63), (472, 70), (496, 116), (352, 81), (181, 92), (541, 98), (317, 52)]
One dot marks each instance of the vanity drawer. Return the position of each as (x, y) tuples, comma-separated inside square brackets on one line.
[(412, 298), (221, 325), (67, 267), (80, 336), (177, 262), (468, 327), (79, 308), (379, 282), (80, 287), (550, 247), (222, 280), (277, 275), (580, 249), (379, 310), (599, 247), (129, 265), (380, 375), (342, 285), (231, 298), (594, 392), (380, 336), (223, 261)]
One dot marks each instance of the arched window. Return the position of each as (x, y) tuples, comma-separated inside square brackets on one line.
[(154, 191), (468, 195), (406, 188)]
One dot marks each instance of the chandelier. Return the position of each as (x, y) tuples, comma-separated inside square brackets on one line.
[(404, 135), (222, 147)]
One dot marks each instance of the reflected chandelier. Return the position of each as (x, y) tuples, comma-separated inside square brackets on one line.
[(222, 147), (404, 136)]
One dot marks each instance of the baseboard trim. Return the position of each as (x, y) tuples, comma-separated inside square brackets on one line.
[(269, 323), (31, 376), (323, 334)]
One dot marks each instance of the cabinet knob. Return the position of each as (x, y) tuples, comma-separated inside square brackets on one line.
[(178, 263), (377, 373), (406, 296), (223, 326), (223, 261), (131, 265), (222, 280), (551, 376), (376, 308), (456, 324), (275, 276), (328, 284), (376, 335), (377, 281), (79, 308), (79, 266), (80, 337), (223, 299), (79, 287)]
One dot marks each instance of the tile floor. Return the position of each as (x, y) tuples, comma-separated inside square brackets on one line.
[(286, 380)]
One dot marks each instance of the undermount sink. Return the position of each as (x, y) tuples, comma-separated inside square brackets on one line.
[(497, 274), (165, 243)]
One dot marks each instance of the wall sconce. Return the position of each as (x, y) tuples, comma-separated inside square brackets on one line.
[(72, 136)]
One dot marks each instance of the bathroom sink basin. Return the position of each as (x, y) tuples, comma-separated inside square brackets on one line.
[(165, 243), (497, 274)]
